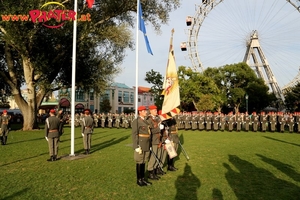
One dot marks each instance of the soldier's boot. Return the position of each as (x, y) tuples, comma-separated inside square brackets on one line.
[(154, 172), (159, 171), (138, 175), (143, 175), (152, 176), (86, 152), (4, 139), (50, 159), (1, 139), (171, 165), (54, 158)]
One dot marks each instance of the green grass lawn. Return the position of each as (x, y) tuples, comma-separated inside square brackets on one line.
[(222, 165)]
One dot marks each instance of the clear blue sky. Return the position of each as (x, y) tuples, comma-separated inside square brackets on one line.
[(222, 38)]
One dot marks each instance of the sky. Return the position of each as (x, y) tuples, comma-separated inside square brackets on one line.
[(222, 39)]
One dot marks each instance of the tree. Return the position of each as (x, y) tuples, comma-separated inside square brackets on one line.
[(235, 81), (156, 79), (40, 58), (198, 89), (292, 98), (105, 105)]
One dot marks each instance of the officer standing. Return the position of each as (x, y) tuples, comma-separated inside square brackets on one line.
[(87, 130), (173, 135), (4, 120), (52, 134), (155, 126), (62, 118), (141, 144)]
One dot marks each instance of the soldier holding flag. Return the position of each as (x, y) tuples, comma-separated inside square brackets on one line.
[(141, 144)]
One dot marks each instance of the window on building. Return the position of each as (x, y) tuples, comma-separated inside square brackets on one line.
[(126, 97), (79, 96), (91, 96), (119, 96)]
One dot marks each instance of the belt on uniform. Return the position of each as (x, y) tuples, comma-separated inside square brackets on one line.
[(53, 130), (144, 135), (174, 132), (4, 123)]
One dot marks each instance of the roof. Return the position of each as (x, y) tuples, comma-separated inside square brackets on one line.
[(120, 85), (143, 89)]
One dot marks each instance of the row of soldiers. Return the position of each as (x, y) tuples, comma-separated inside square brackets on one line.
[(272, 121), (109, 120)]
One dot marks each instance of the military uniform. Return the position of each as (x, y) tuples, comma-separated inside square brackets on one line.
[(239, 122), (231, 122), (246, 121), (290, 122), (208, 121), (273, 122), (154, 122), (52, 135), (255, 122), (4, 121), (141, 145), (62, 118), (173, 135), (216, 121), (87, 130)]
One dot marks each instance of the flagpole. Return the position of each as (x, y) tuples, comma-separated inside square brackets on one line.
[(137, 58), (73, 81)]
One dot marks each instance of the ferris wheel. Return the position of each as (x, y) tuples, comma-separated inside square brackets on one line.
[(229, 31)]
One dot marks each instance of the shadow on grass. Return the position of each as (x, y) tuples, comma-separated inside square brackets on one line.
[(217, 194), (187, 185), (251, 182), (11, 139), (282, 141), (16, 161), (105, 144), (15, 195), (285, 168)]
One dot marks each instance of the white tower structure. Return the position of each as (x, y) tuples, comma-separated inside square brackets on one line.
[(260, 64)]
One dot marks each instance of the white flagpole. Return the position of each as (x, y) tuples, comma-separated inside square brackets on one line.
[(137, 58), (73, 81)]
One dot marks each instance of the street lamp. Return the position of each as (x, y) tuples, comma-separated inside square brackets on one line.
[(246, 97)]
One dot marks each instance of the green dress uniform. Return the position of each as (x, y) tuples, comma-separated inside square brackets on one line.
[(246, 122), (201, 122), (255, 122), (273, 121), (239, 122), (141, 139), (208, 121), (52, 135), (216, 121), (173, 135), (86, 131), (195, 118), (290, 123), (155, 138), (4, 120), (231, 122)]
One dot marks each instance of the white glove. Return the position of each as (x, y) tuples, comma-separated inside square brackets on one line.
[(139, 150), (46, 138), (161, 126), (167, 141), (82, 134)]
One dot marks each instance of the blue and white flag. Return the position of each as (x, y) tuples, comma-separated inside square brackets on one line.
[(142, 28)]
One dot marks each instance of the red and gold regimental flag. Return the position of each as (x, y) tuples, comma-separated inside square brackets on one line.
[(171, 87)]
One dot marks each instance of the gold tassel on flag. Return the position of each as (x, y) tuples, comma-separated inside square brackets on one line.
[(171, 86)]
